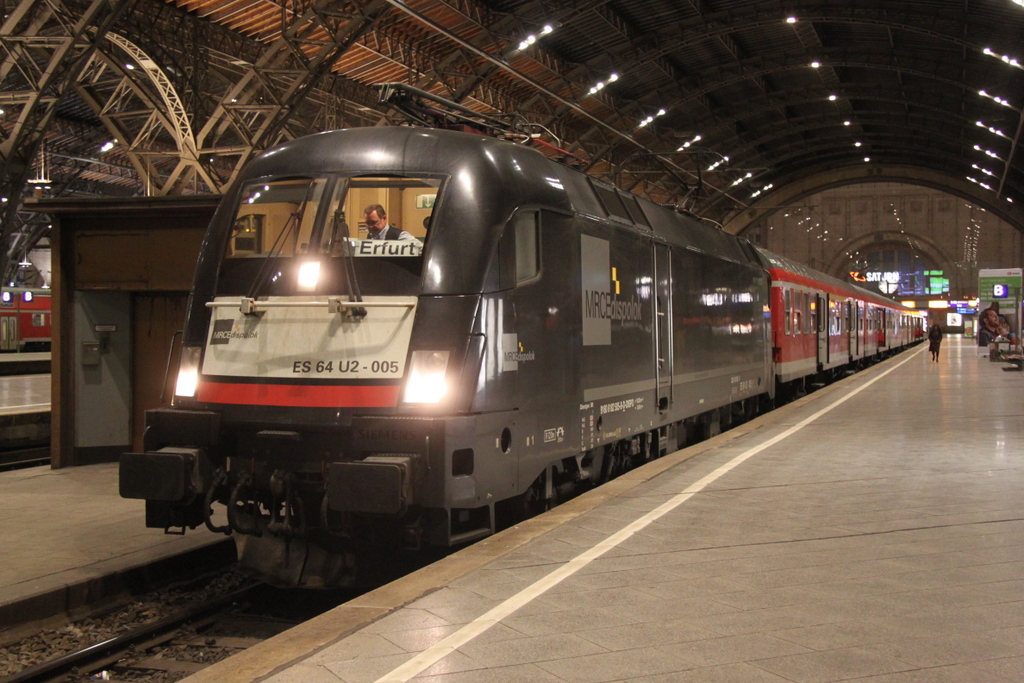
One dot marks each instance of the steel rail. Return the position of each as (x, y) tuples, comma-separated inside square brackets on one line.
[(47, 671)]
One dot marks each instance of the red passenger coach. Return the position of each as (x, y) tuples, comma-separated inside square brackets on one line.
[(24, 319), (823, 326)]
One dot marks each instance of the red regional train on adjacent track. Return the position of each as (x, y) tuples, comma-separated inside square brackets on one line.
[(344, 397), (25, 319), (822, 326)]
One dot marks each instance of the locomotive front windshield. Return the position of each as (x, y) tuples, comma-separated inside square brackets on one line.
[(281, 225)]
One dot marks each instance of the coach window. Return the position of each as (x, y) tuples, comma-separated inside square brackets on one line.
[(527, 226), (787, 312), (798, 316), (808, 328)]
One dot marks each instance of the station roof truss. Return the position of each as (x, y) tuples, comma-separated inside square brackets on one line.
[(708, 104)]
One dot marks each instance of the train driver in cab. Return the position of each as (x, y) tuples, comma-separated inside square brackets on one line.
[(377, 227)]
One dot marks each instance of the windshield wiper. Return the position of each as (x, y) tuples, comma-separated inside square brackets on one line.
[(264, 272), (351, 281)]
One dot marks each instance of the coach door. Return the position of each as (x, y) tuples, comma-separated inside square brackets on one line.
[(851, 327), (824, 325), (857, 329), (663, 324), (9, 333)]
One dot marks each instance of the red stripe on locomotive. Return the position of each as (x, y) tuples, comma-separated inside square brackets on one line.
[(300, 396)]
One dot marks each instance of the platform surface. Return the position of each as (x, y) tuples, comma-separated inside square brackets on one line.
[(24, 394), (871, 531)]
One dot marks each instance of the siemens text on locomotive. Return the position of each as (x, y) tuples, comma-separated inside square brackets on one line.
[(545, 331)]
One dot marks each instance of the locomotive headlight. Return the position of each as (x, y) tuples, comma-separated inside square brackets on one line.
[(188, 372), (426, 383), (309, 273)]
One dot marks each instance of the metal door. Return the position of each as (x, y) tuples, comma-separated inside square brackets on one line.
[(9, 333), (858, 328), (663, 324), (851, 327), (824, 325)]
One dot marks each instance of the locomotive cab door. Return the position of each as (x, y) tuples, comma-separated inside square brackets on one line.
[(663, 325), (540, 353)]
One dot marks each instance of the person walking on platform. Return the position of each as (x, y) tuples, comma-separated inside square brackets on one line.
[(934, 341)]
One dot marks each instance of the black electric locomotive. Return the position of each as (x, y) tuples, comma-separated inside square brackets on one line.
[(539, 331)]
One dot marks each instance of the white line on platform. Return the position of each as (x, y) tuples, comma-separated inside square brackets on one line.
[(441, 649)]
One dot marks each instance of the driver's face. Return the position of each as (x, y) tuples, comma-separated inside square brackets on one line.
[(373, 220)]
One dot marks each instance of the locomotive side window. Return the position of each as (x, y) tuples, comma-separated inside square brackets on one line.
[(527, 246)]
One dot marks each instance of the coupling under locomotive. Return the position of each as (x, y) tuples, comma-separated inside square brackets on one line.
[(342, 395)]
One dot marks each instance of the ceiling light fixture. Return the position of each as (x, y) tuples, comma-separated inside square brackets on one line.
[(1006, 58), (981, 124), (998, 100), (988, 152), (696, 138), (601, 84), (661, 112), (531, 39), (740, 180)]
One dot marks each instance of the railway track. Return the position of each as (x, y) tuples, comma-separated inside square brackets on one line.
[(177, 646), (98, 657), (20, 458)]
